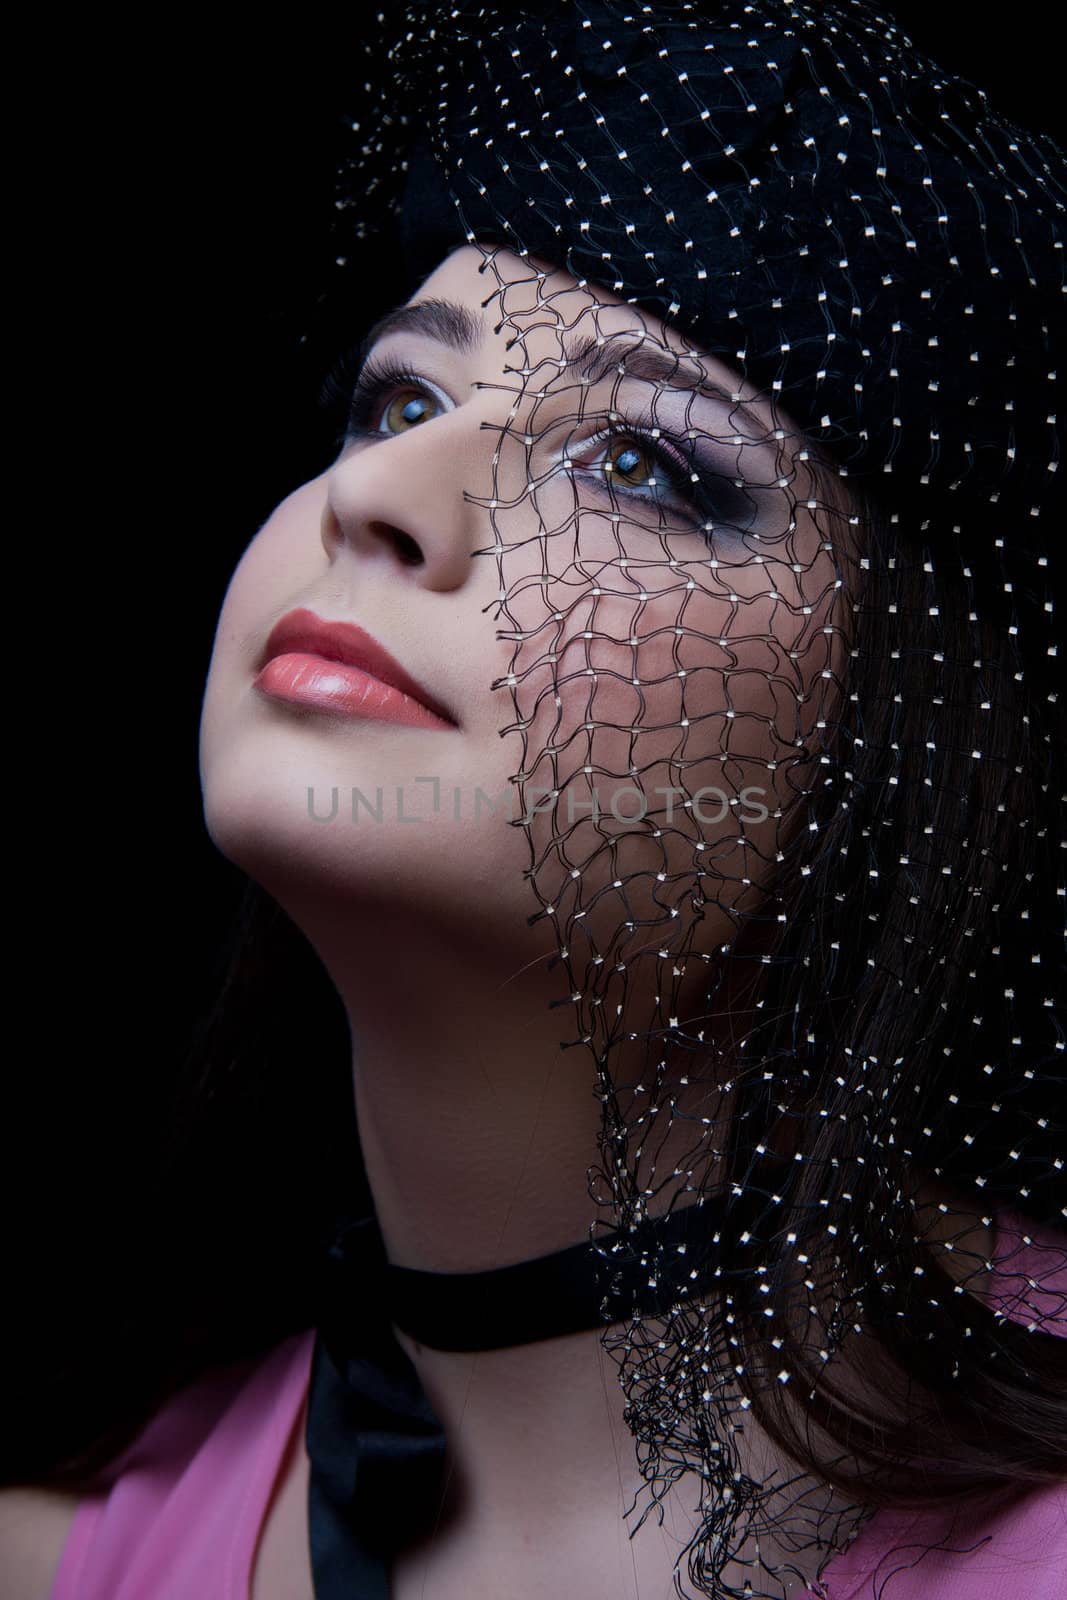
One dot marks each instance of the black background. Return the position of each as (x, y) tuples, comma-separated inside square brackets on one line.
[(178, 182)]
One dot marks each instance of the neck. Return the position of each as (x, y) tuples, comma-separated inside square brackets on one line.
[(538, 1441), (477, 1129), (478, 1132)]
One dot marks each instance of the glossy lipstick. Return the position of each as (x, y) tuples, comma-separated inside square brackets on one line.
[(335, 666)]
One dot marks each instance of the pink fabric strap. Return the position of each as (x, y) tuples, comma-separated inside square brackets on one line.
[(184, 1513), (1019, 1553), (180, 1512)]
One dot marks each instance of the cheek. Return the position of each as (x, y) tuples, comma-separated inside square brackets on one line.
[(661, 673), (283, 558), (278, 792), (641, 687)]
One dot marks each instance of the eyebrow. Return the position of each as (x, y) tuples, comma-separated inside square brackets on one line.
[(452, 324), (444, 320), (597, 357)]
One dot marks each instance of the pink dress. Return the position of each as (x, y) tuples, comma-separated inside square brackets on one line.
[(188, 1498)]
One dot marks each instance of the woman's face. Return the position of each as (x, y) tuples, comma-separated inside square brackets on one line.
[(606, 568)]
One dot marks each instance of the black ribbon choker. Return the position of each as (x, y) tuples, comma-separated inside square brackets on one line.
[(376, 1447)]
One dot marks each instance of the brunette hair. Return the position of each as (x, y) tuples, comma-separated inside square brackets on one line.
[(262, 1151), (875, 1018)]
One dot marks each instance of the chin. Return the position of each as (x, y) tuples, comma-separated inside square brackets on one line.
[(256, 812)]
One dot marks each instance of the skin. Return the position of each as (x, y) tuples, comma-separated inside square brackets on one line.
[(448, 899), (478, 1131)]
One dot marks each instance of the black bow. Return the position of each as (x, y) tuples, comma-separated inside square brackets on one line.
[(377, 1449), (376, 1446)]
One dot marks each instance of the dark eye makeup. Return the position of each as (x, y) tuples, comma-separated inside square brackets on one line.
[(359, 395)]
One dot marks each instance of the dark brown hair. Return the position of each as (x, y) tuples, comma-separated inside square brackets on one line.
[(262, 1152)]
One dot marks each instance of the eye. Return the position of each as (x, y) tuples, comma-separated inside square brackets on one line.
[(406, 409), (386, 400), (644, 468), (380, 400), (630, 463), (657, 470)]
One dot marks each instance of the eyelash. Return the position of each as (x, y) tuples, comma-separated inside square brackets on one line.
[(676, 473), (353, 389)]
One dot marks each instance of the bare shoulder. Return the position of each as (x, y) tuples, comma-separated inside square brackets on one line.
[(281, 1567), (34, 1524)]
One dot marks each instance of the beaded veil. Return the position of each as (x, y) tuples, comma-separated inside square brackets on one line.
[(787, 757)]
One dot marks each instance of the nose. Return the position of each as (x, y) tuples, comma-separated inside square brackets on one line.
[(402, 500)]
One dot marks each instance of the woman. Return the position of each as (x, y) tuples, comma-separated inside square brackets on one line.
[(662, 669)]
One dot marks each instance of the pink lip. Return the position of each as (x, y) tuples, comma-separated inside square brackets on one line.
[(336, 666)]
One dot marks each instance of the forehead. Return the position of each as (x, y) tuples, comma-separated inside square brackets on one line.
[(531, 314), (528, 292)]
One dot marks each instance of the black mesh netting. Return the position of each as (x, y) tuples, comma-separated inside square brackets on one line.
[(769, 487)]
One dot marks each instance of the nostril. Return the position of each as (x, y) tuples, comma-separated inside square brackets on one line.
[(408, 549)]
